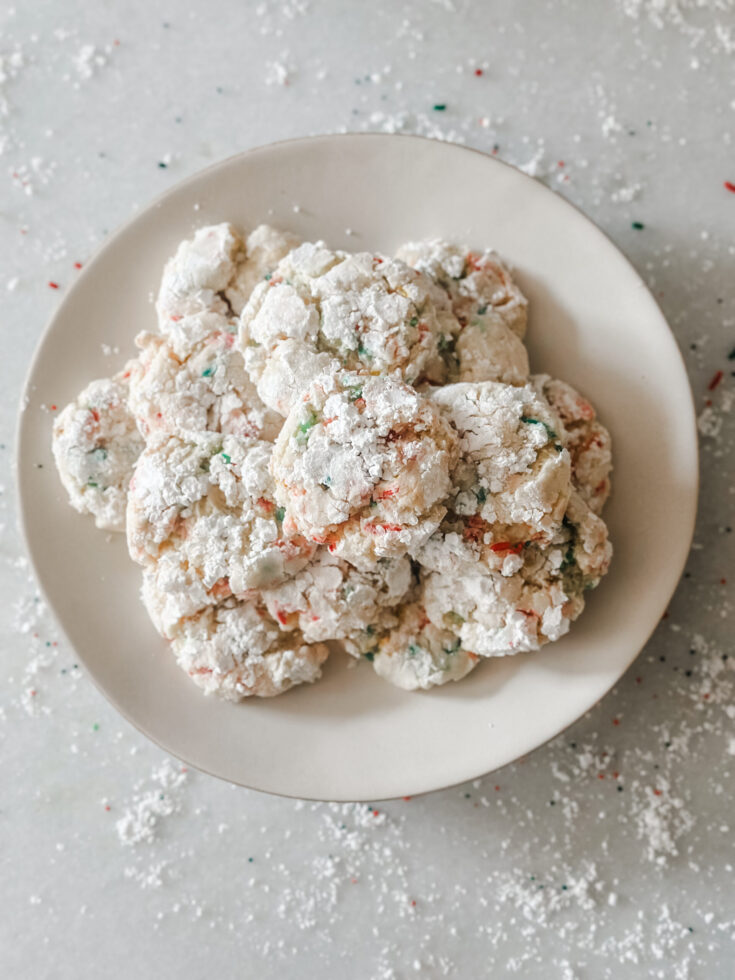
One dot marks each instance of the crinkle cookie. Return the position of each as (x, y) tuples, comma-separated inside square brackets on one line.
[(329, 599), (196, 277), (206, 284), (235, 650), (473, 280), (363, 464), (206, 390), (264, 249), (519, 608), (416, 654), (361, 312), (209, 498), (490, 309), (513, 476), (95, 445), (587, 440)]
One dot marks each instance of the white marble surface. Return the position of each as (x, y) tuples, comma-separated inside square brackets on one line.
[(608, 853)]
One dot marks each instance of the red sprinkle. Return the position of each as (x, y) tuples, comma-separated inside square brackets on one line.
[(53, 285), (616, 721), (107, 808), (478, 72), (406, 798), (600, 775), (657, 792), (716, 378), (77, 265), (53, 408), (376, 812), (507, 546), (729, 186), (413, 903)]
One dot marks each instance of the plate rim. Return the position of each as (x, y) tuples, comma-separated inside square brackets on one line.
[(109, 243)]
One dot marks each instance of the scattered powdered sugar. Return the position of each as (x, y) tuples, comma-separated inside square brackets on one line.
[(660, 820), (149, 806), (685, 16), (88, 60)]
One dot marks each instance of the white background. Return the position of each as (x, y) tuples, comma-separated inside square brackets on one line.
[(607, 853)]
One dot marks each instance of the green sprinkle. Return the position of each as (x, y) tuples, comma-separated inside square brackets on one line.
[(302, 432), (208, 372), (440, 107), (95, 727), (370, 630), (370, 655), (226, 458), (91, 483), (454, 618), (364, 352), (413, 649), (637, 225), (549, 431), (413, 321), (280, 514), (268, 276), (568, 559), (481, 310), (481, 495)]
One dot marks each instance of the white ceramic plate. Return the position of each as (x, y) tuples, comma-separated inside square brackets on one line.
[(593, 323)]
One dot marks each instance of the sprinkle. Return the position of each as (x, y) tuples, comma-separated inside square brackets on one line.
[(53, 285), (440, 107), (478, 72), (637, 225), (162, 165), (507, 546), (77, 265), (729, 186), (716, 378)]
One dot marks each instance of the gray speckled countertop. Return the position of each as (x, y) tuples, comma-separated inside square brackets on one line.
[(607, 853)]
